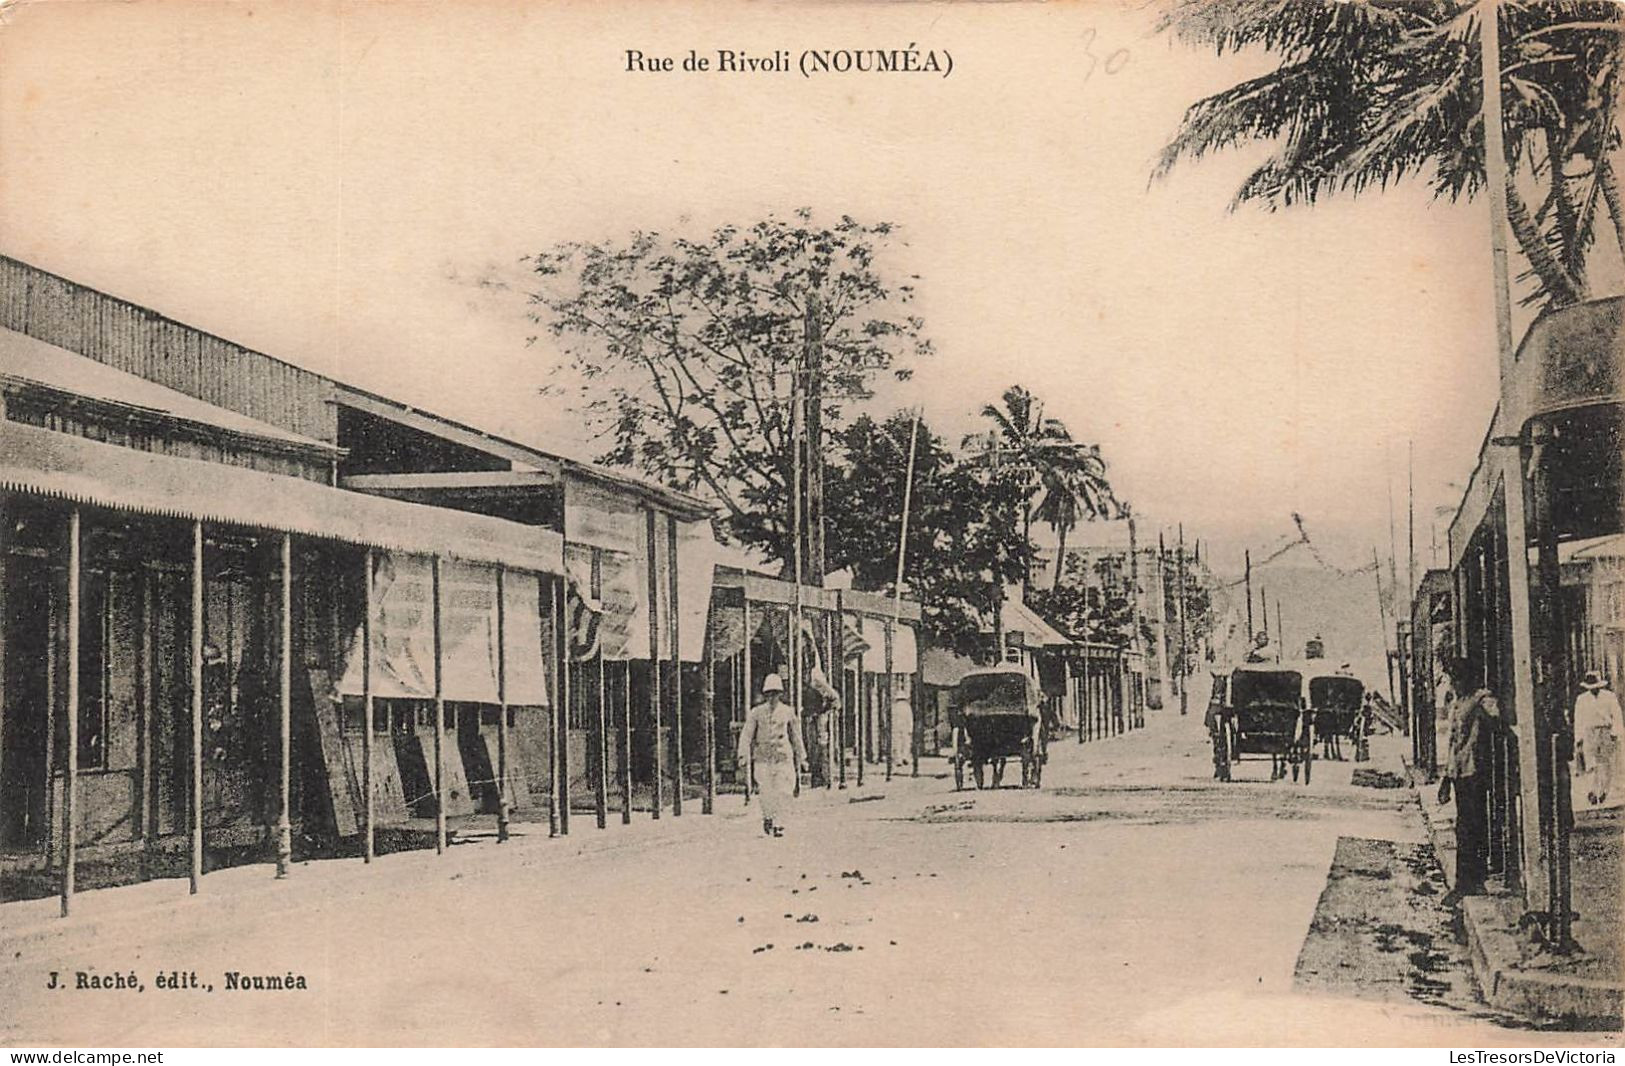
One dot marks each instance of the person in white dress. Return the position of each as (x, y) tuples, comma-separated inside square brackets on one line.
[(773, 751), (1597, 735)]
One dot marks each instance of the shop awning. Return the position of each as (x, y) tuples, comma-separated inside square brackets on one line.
[(45, 463), (31, 363), (1035, 632)]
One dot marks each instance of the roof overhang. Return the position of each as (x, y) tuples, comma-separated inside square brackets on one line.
[(54, 465)]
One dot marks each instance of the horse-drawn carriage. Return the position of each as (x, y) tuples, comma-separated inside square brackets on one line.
[(1257, 710), (995, 715), (1335, 702)]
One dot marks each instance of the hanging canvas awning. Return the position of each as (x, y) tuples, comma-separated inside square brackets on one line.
[(55, 465), (615, 521), (403, 634)]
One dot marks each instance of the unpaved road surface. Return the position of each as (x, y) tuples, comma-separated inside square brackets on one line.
[(1131, 901)]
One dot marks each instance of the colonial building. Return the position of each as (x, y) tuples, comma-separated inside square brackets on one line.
[(252, 611)]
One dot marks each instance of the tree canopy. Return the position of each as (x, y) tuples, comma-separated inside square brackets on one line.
[(1370, 92), (686, 350)]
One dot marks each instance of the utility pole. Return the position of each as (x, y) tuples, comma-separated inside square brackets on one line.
[(1184, 649), (1382, 621), (1160, 606), (1251, 632), (1280, 631), (1410, 512), (813, 438), (1133, 585), (998, 577)]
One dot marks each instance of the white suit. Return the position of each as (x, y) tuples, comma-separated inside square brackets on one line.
[(771, 744)]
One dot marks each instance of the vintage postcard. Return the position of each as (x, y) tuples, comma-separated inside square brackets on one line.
[(548, 523)]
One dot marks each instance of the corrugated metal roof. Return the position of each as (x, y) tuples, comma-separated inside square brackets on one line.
[(31, 361), (45, 463)]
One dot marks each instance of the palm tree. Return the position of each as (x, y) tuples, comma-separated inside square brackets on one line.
[(1062, 479), (1074, 489), (1372, 91)]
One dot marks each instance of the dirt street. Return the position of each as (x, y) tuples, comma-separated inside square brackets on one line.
[(1131, 900)]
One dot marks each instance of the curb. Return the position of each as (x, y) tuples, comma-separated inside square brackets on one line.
[(1496, 954)]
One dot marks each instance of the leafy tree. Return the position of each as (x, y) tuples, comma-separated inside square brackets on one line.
[(1369, 92), (688, 352), (962, 526)]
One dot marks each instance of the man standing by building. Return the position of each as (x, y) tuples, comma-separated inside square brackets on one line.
[(1597, 734), (771, 747), (1466, 774)]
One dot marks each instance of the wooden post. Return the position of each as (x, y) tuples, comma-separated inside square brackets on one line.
[(561, 715), (749, 684), (837, 679), (549, 650), (654, 663), (601, 762), (366, 712), (626, 742), (502, 705), (284, 826), (197, 706), (886, 712), (708, 721), (860, 716), (70, 781), (672, 608), (1184, 642), (439, 714), (1553, 732), (5, 599)]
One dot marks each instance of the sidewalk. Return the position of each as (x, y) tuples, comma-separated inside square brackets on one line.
[(1513, 973), (33, 927)]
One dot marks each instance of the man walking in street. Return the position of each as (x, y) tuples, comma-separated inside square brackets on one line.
[(1473, 717), (1597, 735), (771, 747)]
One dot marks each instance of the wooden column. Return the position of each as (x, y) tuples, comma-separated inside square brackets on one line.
[(561, 716), (502, 705), (749, 687), (916, 736), (672, 609), (654, 663), (549, 651), (625, 765), (601, 764), (284, 823), (5, 599), (708, 720), (886, 711), (860, 715), (367, 804), (837, 670), (197, 706), (439, 714), (70, 780)]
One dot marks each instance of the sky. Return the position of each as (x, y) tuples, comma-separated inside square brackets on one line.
[(326, 181)]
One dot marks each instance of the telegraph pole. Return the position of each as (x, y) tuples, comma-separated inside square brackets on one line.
[(1184, 649), (813, 437), (1251, 632)]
